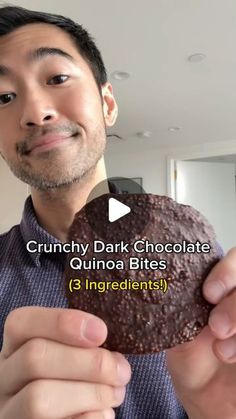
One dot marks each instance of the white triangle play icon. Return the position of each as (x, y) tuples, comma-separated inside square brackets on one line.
[(116, 209)]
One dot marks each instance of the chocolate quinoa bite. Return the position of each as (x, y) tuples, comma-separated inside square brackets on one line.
[(144, 320)]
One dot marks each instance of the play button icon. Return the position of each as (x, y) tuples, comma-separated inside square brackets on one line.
[(117, 209)]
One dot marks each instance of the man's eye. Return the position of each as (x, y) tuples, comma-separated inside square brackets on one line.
[(6, 98), (61, 78)]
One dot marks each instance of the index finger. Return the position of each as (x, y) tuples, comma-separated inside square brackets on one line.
[(69, 326)]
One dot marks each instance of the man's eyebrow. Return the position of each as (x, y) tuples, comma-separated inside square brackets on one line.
[(43, 52), (4, 71), (39, 54)]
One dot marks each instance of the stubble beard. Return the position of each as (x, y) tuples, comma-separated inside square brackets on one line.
[(56, 171)]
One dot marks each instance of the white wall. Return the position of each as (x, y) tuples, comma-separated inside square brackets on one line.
[(152, 163)]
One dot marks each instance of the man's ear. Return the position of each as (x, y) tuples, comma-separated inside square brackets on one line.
[(110, 108)]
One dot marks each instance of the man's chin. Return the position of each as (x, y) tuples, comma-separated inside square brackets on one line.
[(46, 185), (58, 173), (58, 183)]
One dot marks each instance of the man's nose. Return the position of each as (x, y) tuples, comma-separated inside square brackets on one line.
[(37, 111)]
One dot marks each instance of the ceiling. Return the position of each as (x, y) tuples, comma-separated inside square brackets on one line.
[(152, 40)]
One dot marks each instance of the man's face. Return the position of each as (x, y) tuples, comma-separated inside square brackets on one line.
[(52, 118)]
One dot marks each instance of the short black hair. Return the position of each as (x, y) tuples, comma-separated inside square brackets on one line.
[(12, 17)]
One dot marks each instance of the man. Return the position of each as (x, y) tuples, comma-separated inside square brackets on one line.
[(55, 105)]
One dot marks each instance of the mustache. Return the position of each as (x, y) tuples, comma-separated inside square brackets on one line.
[(23, 147)]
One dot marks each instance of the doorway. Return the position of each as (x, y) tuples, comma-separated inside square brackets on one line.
[(208, 185)]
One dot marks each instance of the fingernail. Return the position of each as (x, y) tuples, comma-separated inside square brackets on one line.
[(123, 369), (227, 348), (214, 290), (94, 330), (119, 394), (220, 323)]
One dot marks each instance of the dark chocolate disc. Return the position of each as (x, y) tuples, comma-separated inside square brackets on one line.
[(156, 302)]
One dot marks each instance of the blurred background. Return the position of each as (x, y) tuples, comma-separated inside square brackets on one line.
[(173, 69)]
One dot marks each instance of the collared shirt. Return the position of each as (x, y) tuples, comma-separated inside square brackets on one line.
[(36, 279)]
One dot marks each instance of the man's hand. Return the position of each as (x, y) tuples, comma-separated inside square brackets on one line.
[(204, 370), (51, 366)]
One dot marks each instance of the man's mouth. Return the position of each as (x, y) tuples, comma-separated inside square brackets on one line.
[(48, 142)]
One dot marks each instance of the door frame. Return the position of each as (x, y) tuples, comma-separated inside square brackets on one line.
[(220, 149)]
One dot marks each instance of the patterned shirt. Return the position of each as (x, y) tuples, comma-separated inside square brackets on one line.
[(36, 279)]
